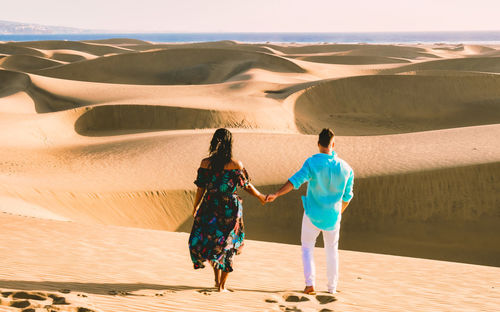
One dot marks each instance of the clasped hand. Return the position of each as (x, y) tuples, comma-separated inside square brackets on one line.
[(267, 198)]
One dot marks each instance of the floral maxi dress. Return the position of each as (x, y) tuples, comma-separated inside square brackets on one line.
[(217, 232)]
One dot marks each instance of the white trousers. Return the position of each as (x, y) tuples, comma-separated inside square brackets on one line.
[(331, 239)]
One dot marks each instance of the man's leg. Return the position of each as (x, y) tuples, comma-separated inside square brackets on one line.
[(308, 240), (331, 239)]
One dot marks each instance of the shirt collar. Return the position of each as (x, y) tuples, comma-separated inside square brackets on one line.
[(332, 155)]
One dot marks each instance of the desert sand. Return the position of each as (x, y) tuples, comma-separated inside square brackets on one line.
[(100, 142)]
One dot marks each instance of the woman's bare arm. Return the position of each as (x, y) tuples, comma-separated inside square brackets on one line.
[(254, 192), (197, 199)]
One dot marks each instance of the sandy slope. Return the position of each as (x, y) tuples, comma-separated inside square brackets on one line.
[(172, 67), (109, 268), (27, 63), (390, 169), (359, 105), (110, 132)]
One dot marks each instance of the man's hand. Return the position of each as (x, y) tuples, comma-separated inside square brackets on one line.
[(271, 197)]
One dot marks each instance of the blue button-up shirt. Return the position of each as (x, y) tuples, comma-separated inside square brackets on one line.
[(330, 182)]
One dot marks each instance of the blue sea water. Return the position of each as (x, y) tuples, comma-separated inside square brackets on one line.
[(353, 37)]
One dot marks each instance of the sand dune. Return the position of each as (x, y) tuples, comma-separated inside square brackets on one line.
[(91, 48), (480, 64), (359, 50), (358, 105), (468, 49), (118, 41), (383, 165), (224, 44), (393, 51), (114, 138), (478, 49), (9, 49), (27, 63), (177, 66), (40, 100), (69, 55), (351, 60), (134, 118)]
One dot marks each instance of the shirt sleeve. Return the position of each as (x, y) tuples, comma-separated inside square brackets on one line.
[(348, 193), (302, 176), (201, 178)]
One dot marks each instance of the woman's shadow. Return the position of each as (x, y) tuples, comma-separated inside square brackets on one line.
[(108, 288)]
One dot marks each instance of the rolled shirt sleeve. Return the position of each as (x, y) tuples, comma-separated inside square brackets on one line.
[(300, 177), (348, 193)]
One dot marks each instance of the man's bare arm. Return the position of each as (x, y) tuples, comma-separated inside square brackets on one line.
[(287, 187), (344, 205)]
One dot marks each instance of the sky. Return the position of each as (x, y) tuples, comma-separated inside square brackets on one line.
[(258, 15)]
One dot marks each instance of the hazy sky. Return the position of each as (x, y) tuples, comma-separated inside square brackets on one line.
[(259, 15)]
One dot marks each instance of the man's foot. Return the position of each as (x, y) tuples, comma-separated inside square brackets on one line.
[(222, 290), (309, 290)]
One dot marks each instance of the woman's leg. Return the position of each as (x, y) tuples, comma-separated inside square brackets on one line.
[(217, 274), (222, 281)]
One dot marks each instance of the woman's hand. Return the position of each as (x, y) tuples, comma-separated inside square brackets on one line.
[(262, 199)]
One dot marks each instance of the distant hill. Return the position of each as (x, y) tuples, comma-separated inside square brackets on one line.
[(14, 28)]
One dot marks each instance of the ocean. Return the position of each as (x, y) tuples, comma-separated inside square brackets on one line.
[(485, 37)]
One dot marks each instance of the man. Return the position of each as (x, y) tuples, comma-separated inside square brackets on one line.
[(330, 181)]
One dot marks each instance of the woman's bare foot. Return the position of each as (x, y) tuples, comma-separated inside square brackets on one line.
[(222, 282), (309, 290), (217, 274)]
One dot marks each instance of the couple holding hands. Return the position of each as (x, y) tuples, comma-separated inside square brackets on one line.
[(218, 233)]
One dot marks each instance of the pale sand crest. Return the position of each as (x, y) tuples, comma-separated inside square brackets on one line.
[(110, 133)]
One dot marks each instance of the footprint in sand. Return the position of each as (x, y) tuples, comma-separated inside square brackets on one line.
[(206, 292), (324, 299), (21, 304), (57, 300), (290, 309), (118, 293), (209, 291), (6, 294), (32, 296), (34, 301), (295, 298), (292, 297)]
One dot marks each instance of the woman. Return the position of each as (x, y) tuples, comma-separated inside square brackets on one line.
[(217, 232)]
